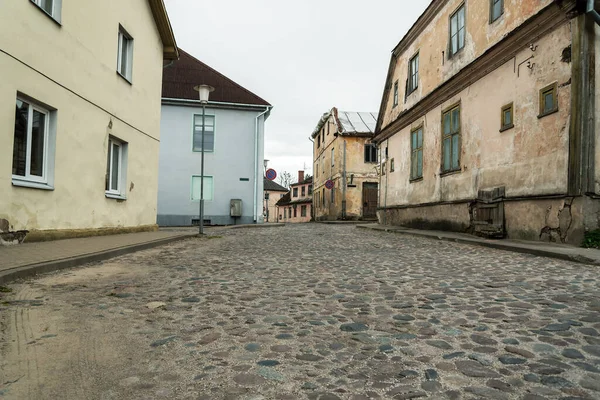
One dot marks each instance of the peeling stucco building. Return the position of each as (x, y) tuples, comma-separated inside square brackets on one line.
[(80, 115), (488, 120), (273, 193), (296, 205), (343, 153)]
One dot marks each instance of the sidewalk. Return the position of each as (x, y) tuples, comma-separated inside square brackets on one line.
[(29, 259), (552, 250)]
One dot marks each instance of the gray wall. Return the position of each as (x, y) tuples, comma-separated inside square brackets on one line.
[(233, 158)]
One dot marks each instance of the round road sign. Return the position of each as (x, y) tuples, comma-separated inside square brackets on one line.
[(330, 184), (271, 174)]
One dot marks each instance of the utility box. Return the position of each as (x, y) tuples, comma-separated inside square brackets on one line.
[(235, 208)]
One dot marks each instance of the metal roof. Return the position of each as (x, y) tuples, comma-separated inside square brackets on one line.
[(357, 122)]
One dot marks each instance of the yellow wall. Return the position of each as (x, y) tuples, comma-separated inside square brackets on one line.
[(78, 59)]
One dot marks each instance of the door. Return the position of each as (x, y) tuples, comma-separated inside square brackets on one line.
[(369, 200)]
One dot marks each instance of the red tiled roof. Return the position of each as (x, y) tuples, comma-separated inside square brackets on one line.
[(180, 78)]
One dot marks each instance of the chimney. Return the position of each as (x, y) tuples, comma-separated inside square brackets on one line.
[(300, 176)]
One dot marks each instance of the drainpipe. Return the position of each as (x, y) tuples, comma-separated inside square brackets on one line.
[(312, 204), (591, 11), (344, 181), (256, 133)]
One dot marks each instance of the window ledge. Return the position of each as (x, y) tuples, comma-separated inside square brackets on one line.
[(542, 115), (57, 22), (124, 77), (31, 184), (115, 196), (416, 180), (451, 172), (506, 128)]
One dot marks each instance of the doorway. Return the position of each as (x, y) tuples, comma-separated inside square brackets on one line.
[(369, 200)]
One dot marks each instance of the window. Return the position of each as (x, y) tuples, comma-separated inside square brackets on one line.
[(548, 100), (209, 133), (267, 196), (208, 187), (370, 153), (457, 30), (125, 56), (506, 117), (303, 211), (416, 154), (295, 211), (116, 167), (395, 93), (295, 192), (392, 165), (310, 190), (451, 139), (317, 169), (303, 191), (50, 7), (319, 141), (332, 157), (496, 9), (31, 138), (328, 127), (323, 198), (413, 74), (332, 196)]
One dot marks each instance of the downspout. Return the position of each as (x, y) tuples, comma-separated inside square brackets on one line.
[(344, 182), (312, 204), (591, 11), (256, 163), (387, 179)]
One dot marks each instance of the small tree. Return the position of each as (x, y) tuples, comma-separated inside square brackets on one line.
[(285, 179)]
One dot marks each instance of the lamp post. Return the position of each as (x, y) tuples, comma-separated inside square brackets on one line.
[(266, 196), (203, 91)]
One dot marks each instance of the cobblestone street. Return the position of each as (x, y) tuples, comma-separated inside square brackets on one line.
[(306, 312)]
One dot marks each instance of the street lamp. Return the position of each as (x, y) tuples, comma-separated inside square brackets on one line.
[(266, 196), (203, 91)]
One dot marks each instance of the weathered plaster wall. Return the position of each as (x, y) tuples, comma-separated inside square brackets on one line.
[(452, 217), (432, 46), (529, 159), (81, 55), (597, 105), (271, 204)]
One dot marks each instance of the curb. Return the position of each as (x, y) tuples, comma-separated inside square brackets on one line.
[(345, 222), (27, 271), (250, 226), (499, 245)]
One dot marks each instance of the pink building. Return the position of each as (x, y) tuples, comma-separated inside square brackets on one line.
[(296, 205)]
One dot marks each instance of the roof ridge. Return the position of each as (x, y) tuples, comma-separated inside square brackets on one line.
[(225, 77)]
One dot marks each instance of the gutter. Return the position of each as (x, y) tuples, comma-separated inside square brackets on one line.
[(172, 101), (591, 11), (256, 134)]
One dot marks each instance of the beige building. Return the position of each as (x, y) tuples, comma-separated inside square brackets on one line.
[(273, 192), (489, 121), (344, 154), (80, 149), (296, 205)]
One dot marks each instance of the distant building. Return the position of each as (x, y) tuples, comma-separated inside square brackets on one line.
[(234, 147), (273, 193), (296, 205), (490, 121), (80, 115), (344, 154)]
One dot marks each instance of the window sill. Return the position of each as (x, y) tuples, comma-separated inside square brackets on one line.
[(451, 172), (200, 151), (416, 180), (57, 22), (542, 115), (452, 55), (115, 196), (124, 77), (31, 184), (506, 128)]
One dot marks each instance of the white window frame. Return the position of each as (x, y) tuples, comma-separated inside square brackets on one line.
[(45, 167), (199, 125), (120, 192), (55, 12), (125, 39), (212, 191)]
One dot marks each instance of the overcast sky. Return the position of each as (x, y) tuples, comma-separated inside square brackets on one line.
[(303, 57)]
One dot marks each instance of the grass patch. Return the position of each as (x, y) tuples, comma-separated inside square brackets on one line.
[(214, 237), (591, 240), (4, 289)]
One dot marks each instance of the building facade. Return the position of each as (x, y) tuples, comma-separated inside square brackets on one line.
[(344, 154), (80, 111), (296, 206), (234, 148), (489, 121), (273, 193)]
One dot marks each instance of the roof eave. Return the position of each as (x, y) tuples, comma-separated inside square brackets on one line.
[(165, 30)]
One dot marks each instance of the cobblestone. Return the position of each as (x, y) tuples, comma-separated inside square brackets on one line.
[(307, 312)]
